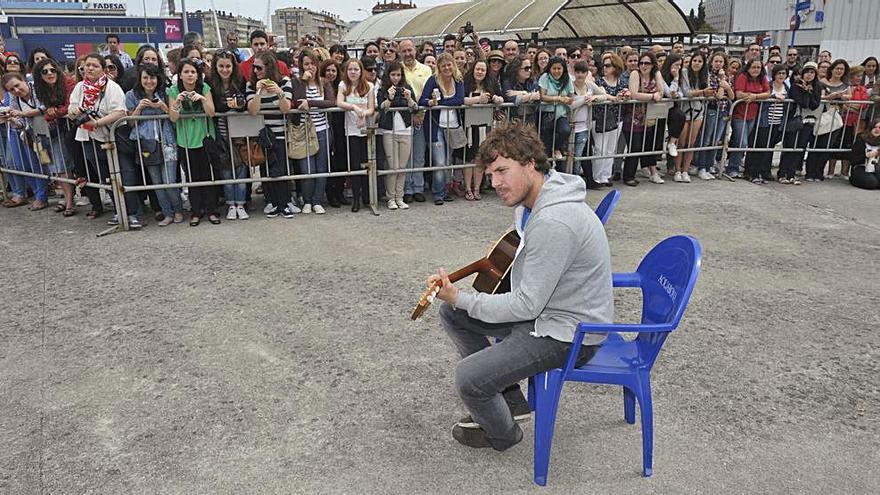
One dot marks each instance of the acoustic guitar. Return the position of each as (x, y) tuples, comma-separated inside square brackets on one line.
[(493, 272)]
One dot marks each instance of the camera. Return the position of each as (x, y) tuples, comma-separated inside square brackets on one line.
[(85, 117), (468, 28), (5, 110), (155, 99)]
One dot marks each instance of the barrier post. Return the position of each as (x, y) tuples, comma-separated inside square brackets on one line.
[(569, 156), (372, 172), (116, 186), (3, 184), (725, 141)]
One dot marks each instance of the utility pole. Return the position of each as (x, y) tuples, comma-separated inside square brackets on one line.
[(183, 13)]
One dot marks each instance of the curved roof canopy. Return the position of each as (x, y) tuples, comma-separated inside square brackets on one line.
[(551, 19)]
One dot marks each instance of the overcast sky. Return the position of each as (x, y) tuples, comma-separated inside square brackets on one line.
[(348, 10)]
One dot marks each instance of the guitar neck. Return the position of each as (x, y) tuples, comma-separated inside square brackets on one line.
[(475, 267)]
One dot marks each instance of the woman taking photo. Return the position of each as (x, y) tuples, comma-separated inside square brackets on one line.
[(395, 92), (269, 90), (556, 97), (606, 118), (356, 96), (318, 94), (148, 98), (98, 97), (646, 85), (444, 88), (52, 95), (479, 89), (190, 95), (20, 117), (227, 89), (717, 108), (865, 158)]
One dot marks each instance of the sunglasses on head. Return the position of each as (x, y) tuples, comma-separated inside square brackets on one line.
[(48, 70)]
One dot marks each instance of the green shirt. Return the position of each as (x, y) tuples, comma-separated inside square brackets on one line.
[(192, 131)]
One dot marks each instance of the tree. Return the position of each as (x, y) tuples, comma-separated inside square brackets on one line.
[(692, 19), (701, 13)]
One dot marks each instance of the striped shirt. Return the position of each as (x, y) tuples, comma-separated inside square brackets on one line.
[(776, 109), (319, 118), (275, 121)]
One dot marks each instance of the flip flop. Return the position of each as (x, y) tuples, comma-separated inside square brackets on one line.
[(59, 207), (38, 208), (69, 212)]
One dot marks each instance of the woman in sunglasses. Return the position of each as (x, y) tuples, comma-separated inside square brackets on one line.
[(113, 67), (53, 91), (645, 85), (13, 63), (268, 90), (190, 95)]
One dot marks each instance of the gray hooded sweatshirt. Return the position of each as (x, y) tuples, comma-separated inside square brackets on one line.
[(562, 271)]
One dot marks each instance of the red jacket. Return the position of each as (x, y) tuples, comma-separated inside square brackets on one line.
[(749, 111), (247, 67), (61, 111)]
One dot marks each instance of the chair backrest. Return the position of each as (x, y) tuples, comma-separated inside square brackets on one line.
[(603, 211), (668, 274)]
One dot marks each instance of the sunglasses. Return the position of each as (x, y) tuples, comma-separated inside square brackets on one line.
[(111, 67), (371, 69), (575, 55), (48, 70), (12, 61), (607, 66), (646, 63), (526, 67), (258, 67)]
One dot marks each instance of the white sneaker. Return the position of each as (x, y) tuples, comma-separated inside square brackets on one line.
[(232, 214), (685, 177), (672, 149), (645, 173), (242, 213), (392, 205), (293, 208), (307, 208), (656, 179), (402, 205), (677, 177), (705, 175), (268, 208), (318, 209)]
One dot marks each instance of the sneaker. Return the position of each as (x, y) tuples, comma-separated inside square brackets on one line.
[(392, 205), (114, 220), (677, 177), (318, 209), (287, 212), (438, 202), (241, 212), (402, 205), (232, 214), (274, 213), (476, 437), (520, 412), (672, 149), (844, 177), (134, 223), (307, 208), (407, 198), (713, 170), (166, 221), (656, 179), (756, 180), (693, 170), (419, 197), (705, 175), (795, 182), (810, 179), (733, 175), (644, 172), (685, 177), (783, 180), (448, 198), (269, 208), (293, 208)]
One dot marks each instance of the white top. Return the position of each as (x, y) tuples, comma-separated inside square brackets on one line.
[(355, 126), (111, 101)]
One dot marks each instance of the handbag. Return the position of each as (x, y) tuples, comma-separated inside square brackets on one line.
[(455, 137), (302, 139), (151, 152), (251, 152), (828, 122)]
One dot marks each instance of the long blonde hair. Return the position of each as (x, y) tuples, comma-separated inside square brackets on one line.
[(444, 58)]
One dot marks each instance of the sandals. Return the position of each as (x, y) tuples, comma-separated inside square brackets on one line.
[(69, 212), (469, 196), (214, 219), (92, 214), (194, 221), (11, 203), (59, 207), (38, 205), (477, 196)]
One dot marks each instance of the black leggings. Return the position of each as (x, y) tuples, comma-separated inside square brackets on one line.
[(276, 192), (792, 161), (651, 139), (864, 180), (203, 199), (357, 152)]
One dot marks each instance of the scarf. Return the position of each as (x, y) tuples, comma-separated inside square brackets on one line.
[(870, 139), (92, 91)]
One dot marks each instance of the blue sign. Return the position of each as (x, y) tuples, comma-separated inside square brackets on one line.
[(802, 6), (820, 16)]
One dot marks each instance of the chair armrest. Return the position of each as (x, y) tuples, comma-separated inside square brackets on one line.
[(632, 279), (585, 328)]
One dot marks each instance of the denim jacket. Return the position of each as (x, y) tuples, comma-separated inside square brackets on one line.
[(155, 130)]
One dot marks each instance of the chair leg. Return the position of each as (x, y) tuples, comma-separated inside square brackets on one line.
[(548, 386), (629, 406), (646, 409)]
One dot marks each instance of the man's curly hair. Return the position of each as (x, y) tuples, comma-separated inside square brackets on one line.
[(515, 141)]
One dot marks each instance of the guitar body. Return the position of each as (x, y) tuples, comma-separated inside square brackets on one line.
[(493, 272), (500, 257)]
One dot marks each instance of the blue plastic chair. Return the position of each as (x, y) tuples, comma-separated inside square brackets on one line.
[(666, 277), (603, 211)]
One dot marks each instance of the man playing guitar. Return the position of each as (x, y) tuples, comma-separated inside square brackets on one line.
[(561, 276)]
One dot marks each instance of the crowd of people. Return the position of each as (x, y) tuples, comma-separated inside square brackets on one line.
[(623, 110)]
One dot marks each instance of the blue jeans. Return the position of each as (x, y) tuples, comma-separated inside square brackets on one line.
[(16, 182), (313, 189), (235, 194), (415, 182), (25, 160), (169, 199), (439, 158), (580, 143), (713, 132), (739, 139)]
